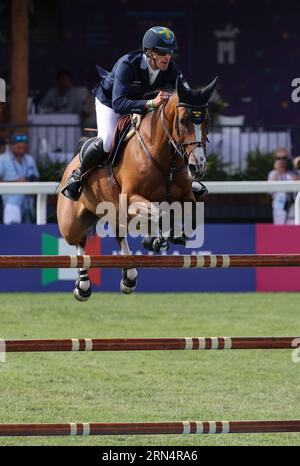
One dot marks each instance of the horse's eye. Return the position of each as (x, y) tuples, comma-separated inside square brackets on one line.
[(184, 121)]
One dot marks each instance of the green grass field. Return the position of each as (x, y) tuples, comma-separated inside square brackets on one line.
[(150, 386)]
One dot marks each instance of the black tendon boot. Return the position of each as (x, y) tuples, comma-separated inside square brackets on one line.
[(91, 155), (199, 190)]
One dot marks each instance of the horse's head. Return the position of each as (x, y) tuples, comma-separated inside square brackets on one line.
[(191, 124)]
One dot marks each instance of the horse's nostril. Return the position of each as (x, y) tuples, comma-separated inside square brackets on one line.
[(192, 168)]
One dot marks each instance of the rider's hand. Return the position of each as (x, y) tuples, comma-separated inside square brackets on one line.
[(161, 98)]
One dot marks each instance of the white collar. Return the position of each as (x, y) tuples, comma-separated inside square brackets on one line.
[(145, 64)]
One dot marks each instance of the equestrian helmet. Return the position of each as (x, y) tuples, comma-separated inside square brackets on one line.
[(160, 38)]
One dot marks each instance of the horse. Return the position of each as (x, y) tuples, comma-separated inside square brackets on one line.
[(158, 163)]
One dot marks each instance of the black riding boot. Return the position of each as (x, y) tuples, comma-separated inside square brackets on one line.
[(91, 155)]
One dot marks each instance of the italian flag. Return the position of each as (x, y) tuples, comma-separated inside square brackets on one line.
[(52, 245)]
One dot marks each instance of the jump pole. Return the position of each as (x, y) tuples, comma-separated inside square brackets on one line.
[(145, 344), (174, 261), (146, 428)]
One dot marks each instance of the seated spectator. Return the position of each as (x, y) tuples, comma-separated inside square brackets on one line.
[(63, 98), (17, 165), (282, 202)]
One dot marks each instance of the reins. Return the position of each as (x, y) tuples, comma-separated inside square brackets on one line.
[(179, 146)]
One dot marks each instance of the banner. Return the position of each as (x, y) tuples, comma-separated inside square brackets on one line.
[(218, 239)]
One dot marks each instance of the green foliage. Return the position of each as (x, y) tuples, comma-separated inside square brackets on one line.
[(259, 164), (50, 170), (216, 108), (216, 170)]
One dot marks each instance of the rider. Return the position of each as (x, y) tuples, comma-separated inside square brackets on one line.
[(121, 92)]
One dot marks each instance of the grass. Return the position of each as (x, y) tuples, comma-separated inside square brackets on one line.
[(149, 386)]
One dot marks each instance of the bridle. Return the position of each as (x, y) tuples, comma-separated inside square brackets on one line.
[(198, 114), (197, 117)]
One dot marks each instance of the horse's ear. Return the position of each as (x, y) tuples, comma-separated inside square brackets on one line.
[(206, 92), (181, 88)]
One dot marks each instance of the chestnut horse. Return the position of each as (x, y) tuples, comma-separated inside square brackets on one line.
[(158, 163)]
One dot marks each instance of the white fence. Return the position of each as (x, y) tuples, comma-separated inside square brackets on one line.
[(43, 189)]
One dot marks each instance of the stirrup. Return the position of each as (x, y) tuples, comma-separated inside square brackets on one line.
[(73, 188)]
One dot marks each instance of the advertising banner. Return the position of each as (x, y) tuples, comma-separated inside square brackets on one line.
[(218, 239), (33, 239)]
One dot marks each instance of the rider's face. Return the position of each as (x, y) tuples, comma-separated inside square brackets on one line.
[(160, 60)]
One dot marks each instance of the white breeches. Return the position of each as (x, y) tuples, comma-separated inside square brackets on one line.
[(106, 123), (12, 214)]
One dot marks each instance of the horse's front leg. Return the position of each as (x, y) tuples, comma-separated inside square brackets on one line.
[(146, 220), (192, 218)]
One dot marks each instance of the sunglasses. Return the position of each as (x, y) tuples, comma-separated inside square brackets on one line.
[(20, 138), (162, 53), (281, 158)]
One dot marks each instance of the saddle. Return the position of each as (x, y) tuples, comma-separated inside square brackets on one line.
[(124, 130)]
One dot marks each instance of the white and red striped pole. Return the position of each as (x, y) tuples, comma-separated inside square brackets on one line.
[(150, 428), (176, 261), (149, 344)]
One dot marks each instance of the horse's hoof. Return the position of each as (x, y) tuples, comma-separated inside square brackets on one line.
[(82, 295), (155, 244), (179, 239), (160, 245), (147, 243), (127, 286)]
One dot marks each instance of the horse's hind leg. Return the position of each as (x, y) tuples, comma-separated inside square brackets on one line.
[(129, 276), (74, 221), (82, 290)]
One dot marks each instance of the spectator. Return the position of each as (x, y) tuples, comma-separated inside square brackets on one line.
[(63, 98), (282, 202), (17, 165), (296, 165), (3, 146)]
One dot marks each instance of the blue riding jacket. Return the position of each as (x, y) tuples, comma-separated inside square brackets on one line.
[(124, 87)]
